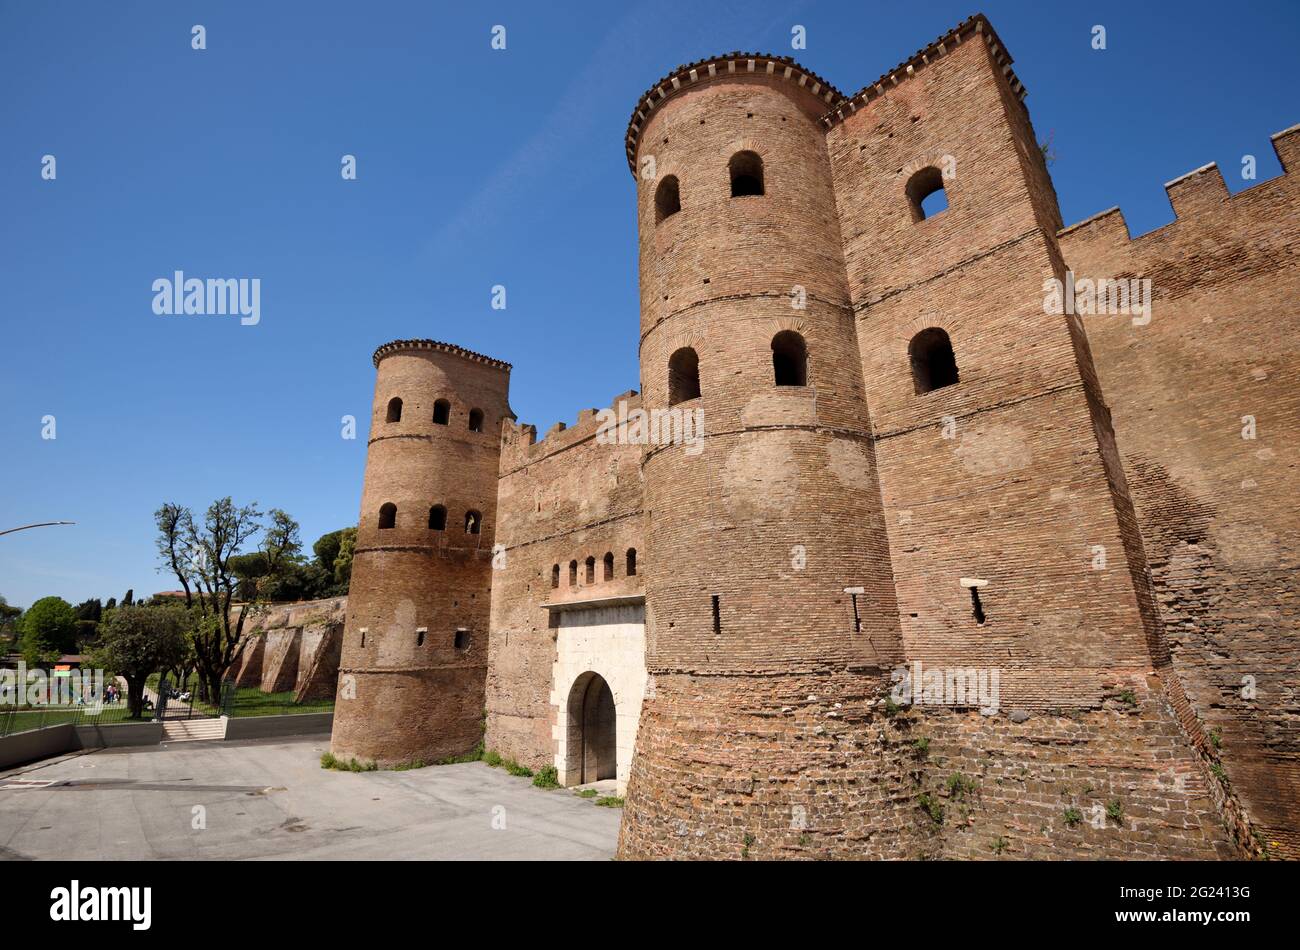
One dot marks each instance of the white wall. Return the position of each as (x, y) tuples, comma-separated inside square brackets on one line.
[(609, 641)]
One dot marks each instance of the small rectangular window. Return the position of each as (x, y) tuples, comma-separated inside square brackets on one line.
[(419, 635), (717, 616)]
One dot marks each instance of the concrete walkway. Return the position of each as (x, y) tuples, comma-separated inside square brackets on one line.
[(271, 799)]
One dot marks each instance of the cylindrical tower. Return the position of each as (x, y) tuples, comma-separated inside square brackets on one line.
[(771, 608), (414, 662)]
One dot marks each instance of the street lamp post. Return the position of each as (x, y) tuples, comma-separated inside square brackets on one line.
[(40, 524)]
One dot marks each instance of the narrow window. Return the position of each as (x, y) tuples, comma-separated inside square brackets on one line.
[(667, 198), (683, 376), (789, 359), (419, 636), (394, 410), (442, 412), (609, 565), (555, 577), (717, 615), (925, 194), (631, 562), (473, 522), (387, 515), (591, 570), (476, 420), (976, 607), (573, 573), (746, 174), (364, 631), (437, 518), (461, 640), (933, 363)]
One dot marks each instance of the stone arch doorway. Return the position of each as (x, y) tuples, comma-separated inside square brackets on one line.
[(592, 732)]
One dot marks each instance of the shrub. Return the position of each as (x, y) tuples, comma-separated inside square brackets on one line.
[(932, 807), (514, 768), (546, 777)]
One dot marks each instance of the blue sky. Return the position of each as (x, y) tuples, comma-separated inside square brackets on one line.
[(475, 167)]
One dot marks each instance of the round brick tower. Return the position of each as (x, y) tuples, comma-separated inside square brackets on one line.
[(771, 612), (414, 661)]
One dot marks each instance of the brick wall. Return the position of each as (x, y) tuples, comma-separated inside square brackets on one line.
[(1216, 511), (401, 699), (561, 500)]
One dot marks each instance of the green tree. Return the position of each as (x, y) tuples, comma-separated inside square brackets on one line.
[(280, 542), (199, 555), (343, 560), (9, 617), (326, 549), (136, 642), (49, 629)]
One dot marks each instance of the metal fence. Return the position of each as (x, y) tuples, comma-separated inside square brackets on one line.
[(238, 703), (14, 719)]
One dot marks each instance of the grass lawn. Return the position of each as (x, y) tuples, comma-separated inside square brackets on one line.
[(251, 701)]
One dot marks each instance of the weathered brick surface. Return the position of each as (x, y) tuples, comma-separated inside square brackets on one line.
[(293, 647), (565, 498), (399, 699), (1217, 511), (1133, 556)]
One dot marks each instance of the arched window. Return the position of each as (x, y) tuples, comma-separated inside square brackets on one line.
[(387, 515), (933, 363), (437, 518), (473, 522), (925, 193), (476, 420), (609, 565), (683, 376), (590, 573), (789, 359), (668, 199), (746, 174), (442, 412), (631, 562), (555, 577), (394, 410), (573, 573)]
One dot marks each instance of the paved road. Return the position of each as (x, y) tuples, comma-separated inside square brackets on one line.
[(271, 799)]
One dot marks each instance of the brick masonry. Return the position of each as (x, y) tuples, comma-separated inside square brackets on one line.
[(1078, 515)]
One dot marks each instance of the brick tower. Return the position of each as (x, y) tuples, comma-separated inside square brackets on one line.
[(412, 674), (771, 610)]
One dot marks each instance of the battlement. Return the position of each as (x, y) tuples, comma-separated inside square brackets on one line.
[(1200, 191), (401, 346), (971, 28), (727, 64), (520, 445), (785, 67)]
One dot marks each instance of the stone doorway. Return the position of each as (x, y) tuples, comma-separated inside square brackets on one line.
[(592, 746)]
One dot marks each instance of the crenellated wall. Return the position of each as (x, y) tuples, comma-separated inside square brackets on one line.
[(562, 500), (293, 647), (1074, 514), (1218, 515)]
